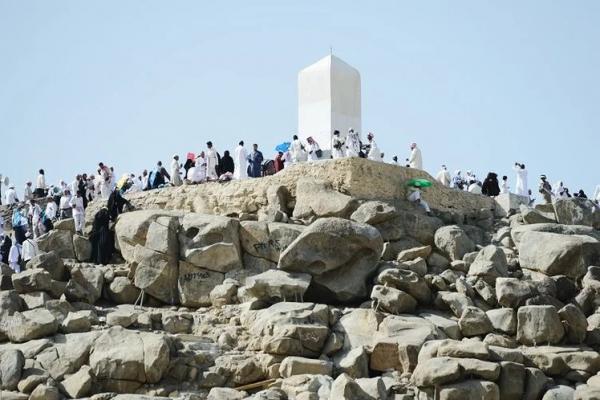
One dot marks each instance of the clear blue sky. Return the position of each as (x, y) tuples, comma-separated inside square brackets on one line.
[(478, 84)]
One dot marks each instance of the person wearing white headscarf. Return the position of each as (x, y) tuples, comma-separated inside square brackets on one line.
[(29, 248), (313, 149), (51, 210), (521, 185), (78, 212), (337, 145), (175, 174), (10, 196), (443, 176), (352, 143), (240, 160), (559, 191), (35, 213), (14, 255), (28, 192), (374, 152), (197, 173), (415, 160)]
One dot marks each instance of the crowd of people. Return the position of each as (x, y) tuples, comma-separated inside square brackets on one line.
[(44, 204)]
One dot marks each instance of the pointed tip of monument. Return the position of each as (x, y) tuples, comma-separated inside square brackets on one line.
[(330, 61)]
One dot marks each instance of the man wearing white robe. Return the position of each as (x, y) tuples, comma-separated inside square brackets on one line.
[(504, 188), (521, 182), (28, 192), (212, 162), (415, 160), (296, 150), (51, 210), (443, 176), (313, 147), (352, 143), (40, 186), (415, 197), (175, 174), (336, 146), (474, 187), (240, 160), (199, 170), (29, 249), (10, 196), (374, 152), (78, 212), (35, 213), (14, 255)]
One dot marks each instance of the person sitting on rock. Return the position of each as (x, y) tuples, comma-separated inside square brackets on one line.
[(415, 197)]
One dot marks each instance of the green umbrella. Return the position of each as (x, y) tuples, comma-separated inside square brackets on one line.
[(420, 183)]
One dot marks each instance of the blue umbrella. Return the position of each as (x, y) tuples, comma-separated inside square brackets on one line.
[(283, 147)]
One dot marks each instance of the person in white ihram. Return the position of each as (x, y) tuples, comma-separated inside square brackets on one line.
[(78, 212), (14, 254), (415, 197), (10, 196), (415, 160), (296, 150), (29, 248), (240, 160), (175, 174), (521, 185), (352, 143), (443, 176), (504, 188), (336, 146), (212, 161), (374, 152), (313, 149)]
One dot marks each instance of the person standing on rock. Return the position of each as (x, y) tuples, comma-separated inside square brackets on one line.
[(29, 249), (10, 196), (212, 162), (352, 144), (240, 159), (40, 186), (545, 189), (296, 150), (314, 151), (415, 160), (175, 174), (255, 159), (105, 180), (443, 176), (35, 215), (374, 152), (65, 208), (14, 256), (504, 188), (78, 212), (337, 146), (28, 192), (521, 185), (101, 238), (279, 162)]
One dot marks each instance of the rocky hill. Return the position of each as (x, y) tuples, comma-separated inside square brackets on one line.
[(321, 282)]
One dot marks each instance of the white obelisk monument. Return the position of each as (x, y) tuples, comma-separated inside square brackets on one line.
[(328, 100)]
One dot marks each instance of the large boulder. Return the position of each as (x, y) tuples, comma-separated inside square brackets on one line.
[(51, 262), (489, 264), (555, 254), (340, 255), (453, 241), (11, 367), (210, 242), (59, 241), (131, 229), (316, 199), (577, 211), (195, 284), (32, 280), (518, 231), (289, 329), (85, 284), (267, 240), (122, 291), (82, 247), (157, 274), (122, 355), (537, 325), (374, 212), (29, 325), (277, 285)]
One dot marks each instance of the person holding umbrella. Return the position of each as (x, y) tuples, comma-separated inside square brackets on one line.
[(414, 196)]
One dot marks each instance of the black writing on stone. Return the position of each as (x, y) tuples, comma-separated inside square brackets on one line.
[(195, 276), (264, 246)]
